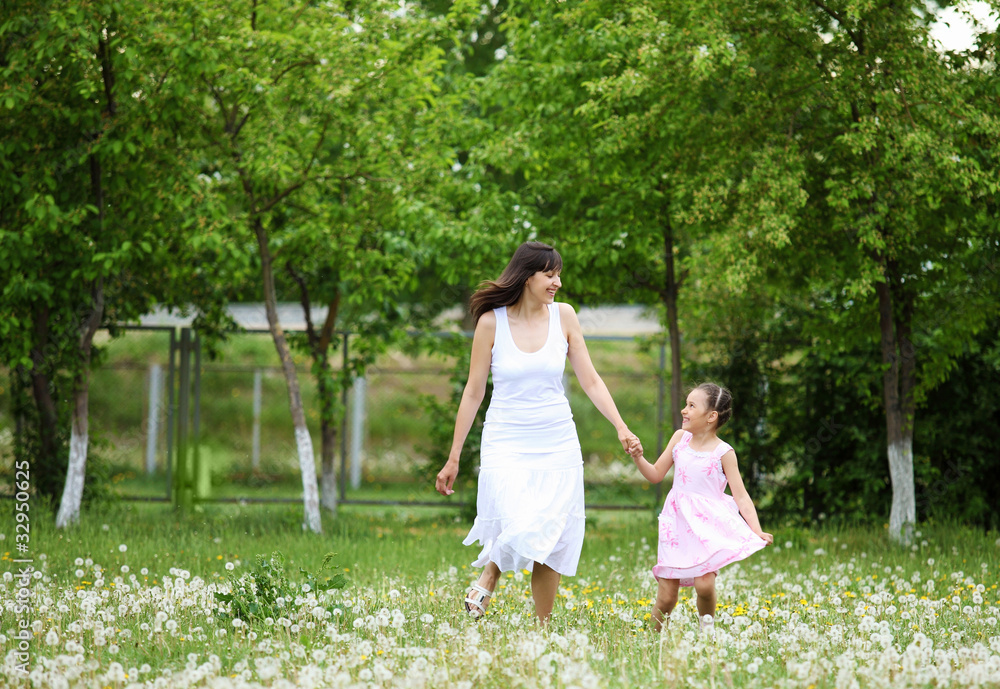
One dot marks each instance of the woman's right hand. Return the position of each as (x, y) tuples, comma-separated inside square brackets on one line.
[(446, 477)]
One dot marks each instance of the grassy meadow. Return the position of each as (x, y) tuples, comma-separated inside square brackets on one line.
[(127, 598), (235, 594)]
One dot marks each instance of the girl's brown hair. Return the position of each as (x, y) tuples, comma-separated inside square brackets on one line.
[(719, 400), (530, 258)]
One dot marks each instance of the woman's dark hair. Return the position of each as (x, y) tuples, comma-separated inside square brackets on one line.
[(719, 400), (529, 258)]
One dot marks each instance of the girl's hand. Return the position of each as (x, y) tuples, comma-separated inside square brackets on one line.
[(446, 477), (635, 449), (768, 538)]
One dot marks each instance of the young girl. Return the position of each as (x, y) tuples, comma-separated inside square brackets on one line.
[(701, 528)]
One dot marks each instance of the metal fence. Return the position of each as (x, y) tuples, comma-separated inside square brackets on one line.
[(159, 405)]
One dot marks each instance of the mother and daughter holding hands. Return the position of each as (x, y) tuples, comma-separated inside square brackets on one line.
[(530, 504)]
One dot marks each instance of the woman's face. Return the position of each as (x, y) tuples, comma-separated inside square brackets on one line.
[(543, 285)]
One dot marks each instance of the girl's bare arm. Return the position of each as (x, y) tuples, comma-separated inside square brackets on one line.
[(740, 495), (654, 473)]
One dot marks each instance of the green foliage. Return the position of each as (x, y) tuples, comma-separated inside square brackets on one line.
[(808, 422), (47, 459), (326, 125), (784, 160), (956, 441), (97, 205), (265, 591), (826, 419)]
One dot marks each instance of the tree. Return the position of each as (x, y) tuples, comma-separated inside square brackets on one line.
[(90, 189), (886, 138), (605, 109), (320, 122)]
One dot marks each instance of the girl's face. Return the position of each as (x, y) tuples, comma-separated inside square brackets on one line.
[(696, 415), (543, 285)]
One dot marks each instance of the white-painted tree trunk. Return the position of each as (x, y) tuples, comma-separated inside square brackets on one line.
[(898, 383), (903, 513), (310, 494), (72, 497), (329, 485), (303, 441), (76, 470)]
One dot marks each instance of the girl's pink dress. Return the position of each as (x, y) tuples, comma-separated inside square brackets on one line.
[(701, 528)]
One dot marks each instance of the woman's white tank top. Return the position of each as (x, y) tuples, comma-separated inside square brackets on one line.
[(529, 412)]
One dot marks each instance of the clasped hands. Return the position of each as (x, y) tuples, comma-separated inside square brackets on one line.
[(630, 443)]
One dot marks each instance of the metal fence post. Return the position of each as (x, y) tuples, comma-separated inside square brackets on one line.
[(258, 388), (182, 479), (196, 457), (171, 450), (153, 423), (343, 426), (357, 429)]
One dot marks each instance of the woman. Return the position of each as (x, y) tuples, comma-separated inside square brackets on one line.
[(530, 512)]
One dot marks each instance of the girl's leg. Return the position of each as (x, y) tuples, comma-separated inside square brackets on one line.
[(704, 586), (666, 600), (544, 585)]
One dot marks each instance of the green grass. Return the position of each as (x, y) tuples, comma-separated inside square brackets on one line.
[(822, 608)]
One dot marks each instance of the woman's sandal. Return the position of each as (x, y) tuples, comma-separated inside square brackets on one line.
[(480, 599)]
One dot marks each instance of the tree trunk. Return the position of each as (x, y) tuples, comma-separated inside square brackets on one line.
[(69, 507), (303, 441), (72, 497), (48, 459), (897, 386), (319, 348), (328, 464), (670, 288), (328, 434)]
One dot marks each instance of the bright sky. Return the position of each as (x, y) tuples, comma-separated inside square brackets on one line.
[(954, 31)]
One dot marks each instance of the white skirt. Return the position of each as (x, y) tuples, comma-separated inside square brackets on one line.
[(530, 509)]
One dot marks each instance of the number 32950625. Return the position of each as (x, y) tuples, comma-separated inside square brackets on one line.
[(22, 483)]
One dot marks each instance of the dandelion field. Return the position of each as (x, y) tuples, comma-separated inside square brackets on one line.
[(127, 598)]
